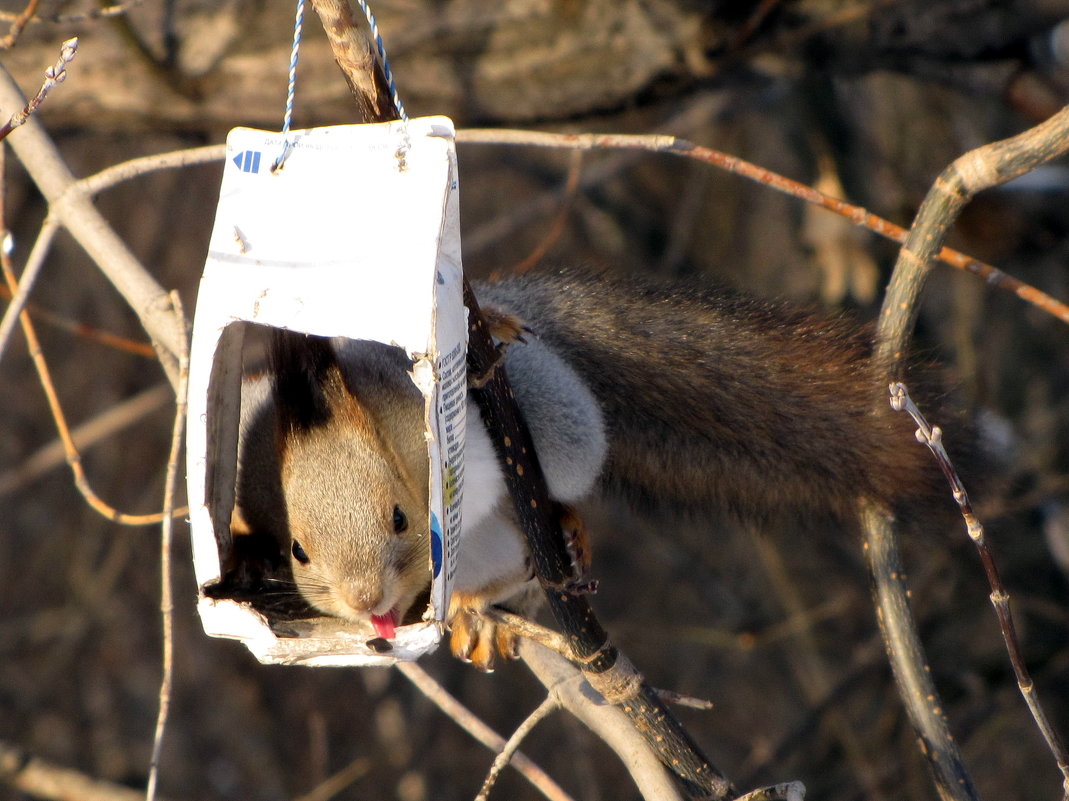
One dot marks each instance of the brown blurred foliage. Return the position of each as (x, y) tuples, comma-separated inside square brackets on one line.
[(775, 627)]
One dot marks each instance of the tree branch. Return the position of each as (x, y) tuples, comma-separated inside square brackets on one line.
[(77, 213), (984, 167)]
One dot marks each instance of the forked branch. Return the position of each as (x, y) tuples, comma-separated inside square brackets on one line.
[(979, 169)]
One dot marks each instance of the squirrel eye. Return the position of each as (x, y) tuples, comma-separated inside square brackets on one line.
[(299, 554), (400, 522)]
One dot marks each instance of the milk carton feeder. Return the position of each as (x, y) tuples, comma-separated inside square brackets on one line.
[(356, 236)]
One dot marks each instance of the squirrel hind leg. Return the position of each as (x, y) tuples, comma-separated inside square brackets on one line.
[(564, 418)]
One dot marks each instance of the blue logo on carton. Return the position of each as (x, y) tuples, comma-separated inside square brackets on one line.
[(248, 160), (436, 544)]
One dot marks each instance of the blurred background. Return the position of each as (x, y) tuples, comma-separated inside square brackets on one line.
[(868, 100)]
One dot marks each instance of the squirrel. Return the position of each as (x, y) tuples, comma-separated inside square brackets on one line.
[(677, 396)]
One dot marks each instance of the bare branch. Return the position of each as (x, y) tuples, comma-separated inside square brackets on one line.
[(166, 536), (54, 76), (135, 168), (680, 147), (908, 661), (90, 433), (21, 21), (337, 782), (78, 214), (20, 296), (981, 168), (93, 14), (82, 330), (606, 721), (468, 721), (550, 704), (788, 791), (43, 779), (1000, 598), (356, 58), (74, 459)]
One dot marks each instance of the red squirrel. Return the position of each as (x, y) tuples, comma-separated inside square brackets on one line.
[(677, 396)]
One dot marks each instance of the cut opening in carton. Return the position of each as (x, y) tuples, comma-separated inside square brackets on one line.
[(317, 483)]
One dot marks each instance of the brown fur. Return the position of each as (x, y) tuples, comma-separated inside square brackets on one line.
[(713, 399)]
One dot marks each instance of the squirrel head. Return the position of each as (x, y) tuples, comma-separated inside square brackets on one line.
[(354, 482)]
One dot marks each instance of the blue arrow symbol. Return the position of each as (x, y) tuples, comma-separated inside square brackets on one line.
[(248, 160)]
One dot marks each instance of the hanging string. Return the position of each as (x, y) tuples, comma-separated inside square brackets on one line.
[(291, 85), (385, 61)]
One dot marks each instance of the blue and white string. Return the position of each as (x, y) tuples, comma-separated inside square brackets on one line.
[(385, 61), (291, 86)]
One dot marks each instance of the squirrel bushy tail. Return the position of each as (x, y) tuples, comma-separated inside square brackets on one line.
[(716, 400)]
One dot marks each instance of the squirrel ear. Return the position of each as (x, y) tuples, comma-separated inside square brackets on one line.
[(306, 380)]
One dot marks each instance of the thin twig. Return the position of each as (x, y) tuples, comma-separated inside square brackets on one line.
[(135, 168), (77, 213), (54, 76), (932, 436), (336, 782), (468, 721), (859, 216), (607, 722), (528, 629), (811, 670), (556, 227), (17, 25), (95, 430), (548, 705), (788, 791), (43, 779), (83, 330), (36, 260), (166, 536), (979, 169), (672, 697), (85, 16), (482, 238), (74, 459), (969, 174)]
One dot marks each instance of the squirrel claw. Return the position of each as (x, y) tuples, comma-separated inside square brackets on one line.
[(577, 541), (471, 641), (504, 327), (476, 640)]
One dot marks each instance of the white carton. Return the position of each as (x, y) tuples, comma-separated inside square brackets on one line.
[(356, 236)]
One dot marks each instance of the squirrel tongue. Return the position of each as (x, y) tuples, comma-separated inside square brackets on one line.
[(384, 625)]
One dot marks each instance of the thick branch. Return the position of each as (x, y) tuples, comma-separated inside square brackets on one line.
[(77, 213), (352, 50)]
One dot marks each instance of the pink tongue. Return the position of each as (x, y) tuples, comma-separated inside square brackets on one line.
[(384, 625)]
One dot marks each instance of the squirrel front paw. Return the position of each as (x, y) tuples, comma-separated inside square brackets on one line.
[(475, 639)]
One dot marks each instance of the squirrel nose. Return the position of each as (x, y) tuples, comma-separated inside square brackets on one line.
[(360, 596)]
